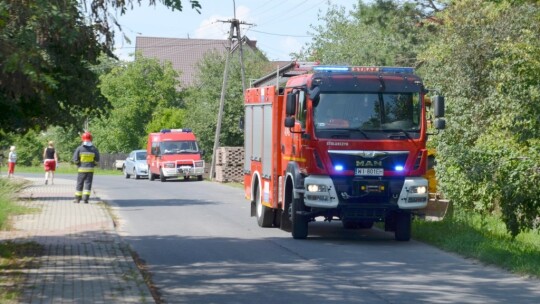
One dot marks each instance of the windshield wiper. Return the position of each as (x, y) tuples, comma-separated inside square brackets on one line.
[(397, 130), (347, 129)]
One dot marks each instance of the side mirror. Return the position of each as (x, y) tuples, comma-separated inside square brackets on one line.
[(314, 95), (290, 106), (202, 152), (440, 123), (438, 106), (289, 122)]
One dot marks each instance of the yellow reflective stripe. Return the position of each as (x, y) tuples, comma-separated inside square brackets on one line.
[(298, 159), (87, 157), (85, 170), (78, 193), (86, 192)]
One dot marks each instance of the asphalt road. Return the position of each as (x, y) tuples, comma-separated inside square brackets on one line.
[(201, 246)]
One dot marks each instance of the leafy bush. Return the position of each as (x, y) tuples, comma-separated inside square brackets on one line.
[(486, 62)]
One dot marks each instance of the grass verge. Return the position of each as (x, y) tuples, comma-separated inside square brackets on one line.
[(9, 188), (15, 260), (14, 257), (484, 239)]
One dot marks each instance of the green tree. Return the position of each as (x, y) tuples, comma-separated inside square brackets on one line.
[(384, 32), (486, 62), (44, 65), (204, 97), (139, 92), (48, 49)]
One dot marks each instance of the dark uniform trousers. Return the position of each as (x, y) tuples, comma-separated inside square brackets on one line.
[(84, 185)]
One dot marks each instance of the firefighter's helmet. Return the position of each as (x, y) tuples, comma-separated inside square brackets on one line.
[(87, 136)]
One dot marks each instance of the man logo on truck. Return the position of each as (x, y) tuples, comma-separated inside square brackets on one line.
[(369, 163)]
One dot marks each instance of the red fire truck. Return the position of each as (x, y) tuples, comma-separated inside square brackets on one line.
[(342, 143), (174, 153)]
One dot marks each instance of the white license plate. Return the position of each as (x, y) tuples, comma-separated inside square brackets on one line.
[(370, 171)]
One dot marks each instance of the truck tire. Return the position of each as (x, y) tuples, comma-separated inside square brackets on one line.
[(299, 221), (126, 174), (161, 176), (199, 177), (265, 215), (403, 227)]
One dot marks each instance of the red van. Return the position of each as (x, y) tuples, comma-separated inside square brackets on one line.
[(174, 153)]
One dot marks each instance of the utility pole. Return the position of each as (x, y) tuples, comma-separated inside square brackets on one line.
[(234, 32)]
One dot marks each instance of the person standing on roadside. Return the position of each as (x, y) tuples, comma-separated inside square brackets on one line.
[(50, 159), (86, 157), (12, 160)]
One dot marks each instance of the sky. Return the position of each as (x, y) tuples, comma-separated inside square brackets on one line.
[(280, 27)]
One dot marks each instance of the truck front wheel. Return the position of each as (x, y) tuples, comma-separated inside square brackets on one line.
[(299, 220), (403, 226)]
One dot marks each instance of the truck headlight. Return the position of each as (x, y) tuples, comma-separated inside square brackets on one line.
[(169, 165), (418, 189), (316, 188)]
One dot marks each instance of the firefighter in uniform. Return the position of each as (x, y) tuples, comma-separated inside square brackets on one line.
[(86, 157)]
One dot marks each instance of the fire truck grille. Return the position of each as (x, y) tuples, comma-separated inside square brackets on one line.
[(378, 191), (388, 161)]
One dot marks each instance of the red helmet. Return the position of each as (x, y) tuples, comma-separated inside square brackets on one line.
[(86, 136)]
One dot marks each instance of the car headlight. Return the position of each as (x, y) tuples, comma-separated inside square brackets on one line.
[(316, 188), (418, 189)]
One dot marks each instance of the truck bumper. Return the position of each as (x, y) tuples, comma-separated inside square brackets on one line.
[(182, 171), (407, 193)]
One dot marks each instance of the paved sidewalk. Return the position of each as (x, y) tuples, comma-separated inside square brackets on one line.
[(84, 260)]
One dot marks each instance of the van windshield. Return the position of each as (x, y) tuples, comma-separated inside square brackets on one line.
[(178, 147)]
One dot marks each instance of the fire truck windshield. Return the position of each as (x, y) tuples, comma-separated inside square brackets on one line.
[(177, 147), (374, 115)]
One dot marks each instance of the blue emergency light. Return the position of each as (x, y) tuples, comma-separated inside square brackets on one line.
[(175, 130), (330, 68), (364, 69), (399, 70)]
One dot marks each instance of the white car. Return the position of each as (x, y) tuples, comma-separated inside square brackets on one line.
[(135, 164)]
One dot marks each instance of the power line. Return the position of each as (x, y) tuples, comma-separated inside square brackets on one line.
[(275, 34)]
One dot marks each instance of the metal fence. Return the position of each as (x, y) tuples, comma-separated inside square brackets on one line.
[(106, 160)]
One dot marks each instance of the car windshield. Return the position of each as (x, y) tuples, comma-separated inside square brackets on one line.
[(372, 114), (140, 156), (177, 147)]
